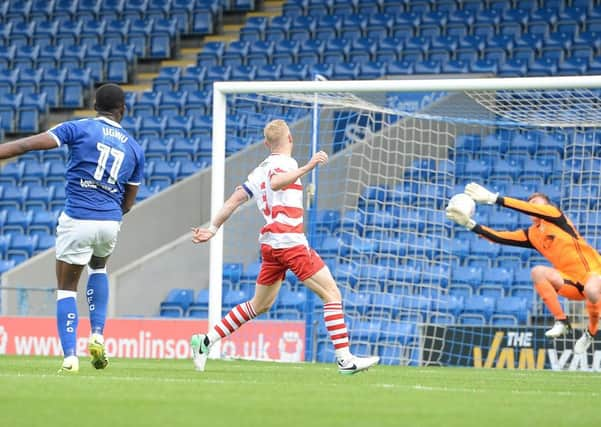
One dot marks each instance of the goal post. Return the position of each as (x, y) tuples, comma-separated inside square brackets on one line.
[(394, 164)]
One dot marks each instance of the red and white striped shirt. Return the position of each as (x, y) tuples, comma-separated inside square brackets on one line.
[(282, 209)]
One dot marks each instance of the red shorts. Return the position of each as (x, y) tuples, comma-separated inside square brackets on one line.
[(303, 261)]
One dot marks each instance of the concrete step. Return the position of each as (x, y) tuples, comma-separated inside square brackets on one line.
[(178, 62), (273, 6), (137, 87), (85, 113)]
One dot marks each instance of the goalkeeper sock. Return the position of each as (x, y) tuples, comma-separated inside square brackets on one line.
[(97, 294), (334, 320), (549, 296), (593, 316), (237, 317), (67, 320)]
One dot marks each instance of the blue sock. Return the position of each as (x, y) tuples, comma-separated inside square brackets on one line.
[(97, 294), (67, 320)]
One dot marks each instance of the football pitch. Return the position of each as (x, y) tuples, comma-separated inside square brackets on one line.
[(242, 393)]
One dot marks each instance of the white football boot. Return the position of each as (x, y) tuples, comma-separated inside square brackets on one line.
[(583, 343), (355, 364), (200, 351), (560, 327), (70, 365)]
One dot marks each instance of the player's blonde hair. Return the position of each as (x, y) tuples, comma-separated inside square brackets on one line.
[(276, 132)]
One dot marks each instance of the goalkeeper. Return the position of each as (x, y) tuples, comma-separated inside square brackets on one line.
[(576, 265)]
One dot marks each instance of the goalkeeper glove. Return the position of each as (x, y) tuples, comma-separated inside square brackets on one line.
[(460, 218), (480, 194)]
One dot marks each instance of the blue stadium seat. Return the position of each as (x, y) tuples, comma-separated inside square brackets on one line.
[(302, 27), (117, 68), (21, 246), (232, 272), (345, 71), (153, 126), (233, 297), (42, 221), (573, 66), (235, 53), (156, 148), (294, 72), (131, 124), (388, 49), (310, 51), (75, 87), (260, 52), (176, 303), (285, 52), (362, 50), (139, 35), (402, 67), (371, 70), (21, 33), (254, 28), (167, 80), (543, 67), (10, 105), (503, 320), (172, 104), (514, 306), (116, 29), (147, 103), (17, 221), (164, 172), (448, 304), (178, 127), (480, 305), (336, 50), (484, 66), (26, 56), (465, 275), (278, 28), (161, 36), (198, 102), (271, 72)]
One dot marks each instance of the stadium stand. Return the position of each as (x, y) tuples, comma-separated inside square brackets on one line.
[(52, 57)]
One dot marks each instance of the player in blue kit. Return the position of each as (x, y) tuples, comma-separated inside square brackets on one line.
[(105, 168)]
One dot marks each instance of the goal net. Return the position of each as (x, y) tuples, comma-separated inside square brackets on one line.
[(416, 289)]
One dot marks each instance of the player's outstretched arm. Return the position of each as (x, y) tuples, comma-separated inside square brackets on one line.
[(511, 238), (481, 195), (41, 141), (284, 179), (238, 197)]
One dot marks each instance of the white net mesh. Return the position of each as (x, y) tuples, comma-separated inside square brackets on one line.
[(417, 290)]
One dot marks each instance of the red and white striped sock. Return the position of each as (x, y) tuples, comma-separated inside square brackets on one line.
[(237, 317), (334, 319)]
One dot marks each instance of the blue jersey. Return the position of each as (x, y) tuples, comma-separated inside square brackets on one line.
[(103, 157)]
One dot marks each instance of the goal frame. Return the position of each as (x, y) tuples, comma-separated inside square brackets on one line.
[(222, 89)]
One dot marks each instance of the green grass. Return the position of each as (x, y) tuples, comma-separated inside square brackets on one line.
[(239, 393)]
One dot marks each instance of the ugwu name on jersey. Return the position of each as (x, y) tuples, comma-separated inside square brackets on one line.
[(114, 133)]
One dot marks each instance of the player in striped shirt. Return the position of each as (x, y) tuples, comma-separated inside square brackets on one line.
[(275, 184)]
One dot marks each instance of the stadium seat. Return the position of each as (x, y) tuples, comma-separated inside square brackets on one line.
[(514, 306), (162, 38), (471, 276), (176, 303)]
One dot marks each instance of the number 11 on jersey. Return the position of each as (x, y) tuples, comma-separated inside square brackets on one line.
[(105, 152)]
